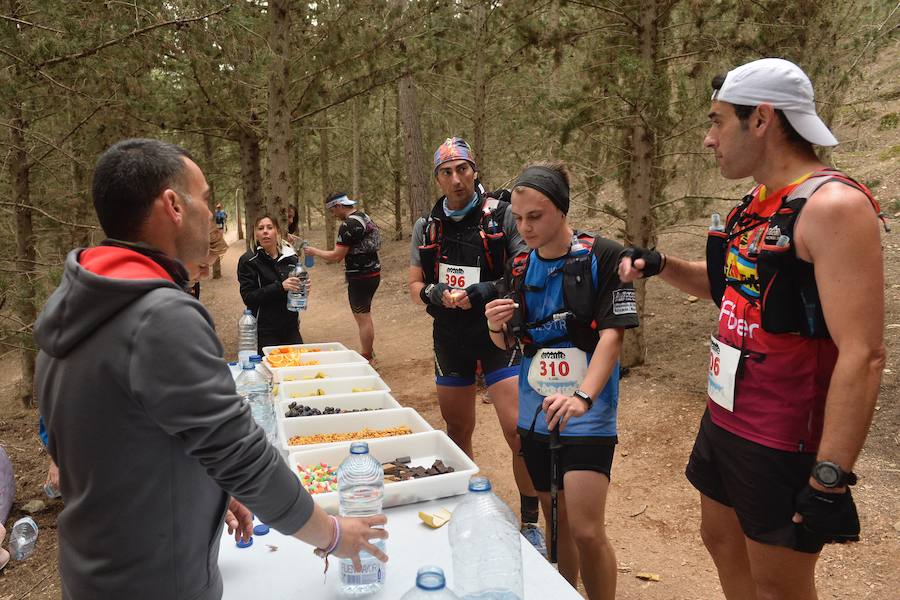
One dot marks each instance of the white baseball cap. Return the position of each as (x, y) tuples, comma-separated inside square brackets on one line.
[(341, 199), (785, 86)]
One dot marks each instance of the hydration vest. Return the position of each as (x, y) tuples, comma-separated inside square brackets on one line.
[(579, 296), (788, 295), (477, 240), (371, 241)]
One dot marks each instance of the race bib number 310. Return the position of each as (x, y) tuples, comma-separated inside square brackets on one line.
[(458, 276), (557, 371)]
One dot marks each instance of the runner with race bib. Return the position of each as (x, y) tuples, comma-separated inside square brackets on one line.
[(567, 311)]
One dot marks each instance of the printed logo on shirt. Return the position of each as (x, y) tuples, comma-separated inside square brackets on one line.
[(624, 302), (735, 323)]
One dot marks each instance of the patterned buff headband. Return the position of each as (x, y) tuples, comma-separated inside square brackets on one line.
[(453, 149)]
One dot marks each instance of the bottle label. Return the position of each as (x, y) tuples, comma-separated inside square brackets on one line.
[(372, 572)]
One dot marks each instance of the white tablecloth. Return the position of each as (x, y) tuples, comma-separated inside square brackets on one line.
[(292, 572)]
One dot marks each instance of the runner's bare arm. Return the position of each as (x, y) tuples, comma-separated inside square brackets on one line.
[(688, 276), (336, 255), (839, 233), (416, 282), (606, 353)]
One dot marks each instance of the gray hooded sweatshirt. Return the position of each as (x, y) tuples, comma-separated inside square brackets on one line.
[(148, 432)]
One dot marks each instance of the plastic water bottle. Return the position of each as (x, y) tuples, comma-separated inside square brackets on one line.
[(308, 259), (715, 222), (297, 300), (254, 388), (430, 585), (23, 538), (486, 547), (361, 491), (246, 337)]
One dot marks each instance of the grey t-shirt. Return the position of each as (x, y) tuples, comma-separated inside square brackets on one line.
[(514, 242)]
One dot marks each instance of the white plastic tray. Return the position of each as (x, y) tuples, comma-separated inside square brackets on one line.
[(374, 400), (301, 390), (323, 347), (376, 419), (335, 357), (329, 371), (422, 448)]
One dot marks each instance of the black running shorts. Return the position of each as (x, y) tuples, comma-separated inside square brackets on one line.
[(758, 482), (458, 350), (360, 293), (572, 457)]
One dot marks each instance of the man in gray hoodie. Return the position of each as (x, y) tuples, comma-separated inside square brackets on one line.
[(144, 422)]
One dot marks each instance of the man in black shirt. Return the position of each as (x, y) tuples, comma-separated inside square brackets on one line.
[(357, 244)]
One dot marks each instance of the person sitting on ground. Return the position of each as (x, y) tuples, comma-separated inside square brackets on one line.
[(357, 244), (264, 277), (569, 376)]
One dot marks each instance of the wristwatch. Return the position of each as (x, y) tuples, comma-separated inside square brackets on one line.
[(830, 475), (584, 396)]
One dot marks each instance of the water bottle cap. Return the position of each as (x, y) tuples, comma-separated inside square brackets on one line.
[(479, 484), (430, 578), (243, 544), (247, 311), (233, 364), (359, 448), (250, 366), (255, 358), (261, 529)]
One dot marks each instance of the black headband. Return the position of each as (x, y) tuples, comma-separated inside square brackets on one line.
[(548, 182)]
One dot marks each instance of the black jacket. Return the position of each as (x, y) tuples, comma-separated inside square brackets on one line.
[(260, 277)]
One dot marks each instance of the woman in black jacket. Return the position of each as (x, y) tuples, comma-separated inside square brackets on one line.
[(264, 276)]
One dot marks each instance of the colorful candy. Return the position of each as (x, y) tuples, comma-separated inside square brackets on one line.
[(318, 479)]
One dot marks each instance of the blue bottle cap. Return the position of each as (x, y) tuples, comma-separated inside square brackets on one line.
[(479, 484), (261, 529), (243, 544), (359, 448), (255, 358), (430, 578)]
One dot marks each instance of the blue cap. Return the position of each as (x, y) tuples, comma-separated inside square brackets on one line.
[(430, 578), (359, 448), (243, 544), (261, 529), (255, 358), (479, 484)]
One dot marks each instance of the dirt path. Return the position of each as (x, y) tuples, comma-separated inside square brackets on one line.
[(653, 513)]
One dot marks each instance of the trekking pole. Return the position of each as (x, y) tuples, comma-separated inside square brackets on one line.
[(555, 446)]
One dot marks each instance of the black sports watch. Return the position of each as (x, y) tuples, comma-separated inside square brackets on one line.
[(584, 396), (830, 475)]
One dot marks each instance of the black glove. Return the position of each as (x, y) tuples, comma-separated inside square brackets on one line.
[(653, 260), (482, 293), (832, 516), (433, 293)]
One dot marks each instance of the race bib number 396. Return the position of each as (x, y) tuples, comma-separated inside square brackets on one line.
[(458, 276)]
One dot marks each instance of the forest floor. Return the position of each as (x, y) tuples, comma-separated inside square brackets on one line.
[(653, 513)]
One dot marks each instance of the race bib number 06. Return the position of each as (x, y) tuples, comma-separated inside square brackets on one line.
[(557, 371), (458, 276), (723, 366)]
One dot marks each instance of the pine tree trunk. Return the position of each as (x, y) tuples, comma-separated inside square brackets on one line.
[(644, 179), (416, 171), (23, 305), (280, 136), (398, 158), (239, 211), (326, 179), (356, 166), (479, 99), (251, 179)]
